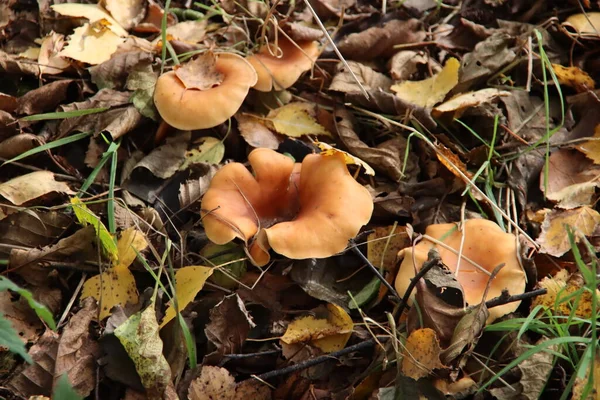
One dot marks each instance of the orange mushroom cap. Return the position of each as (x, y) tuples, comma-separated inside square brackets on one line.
[(307, 210), (279, 68), (487, 245), (190, 108)]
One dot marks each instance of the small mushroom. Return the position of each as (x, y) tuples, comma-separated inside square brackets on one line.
[(485, 246), (210, 103), (280, 67), (307, 210)]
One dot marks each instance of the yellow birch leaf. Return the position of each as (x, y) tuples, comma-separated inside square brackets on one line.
[(554, 239), (295, 120), (188, 282), (421, 354), (131, 240), (430, 91), (574, 77), (328, 334), (92, 44), (382, 249), (93, 12), (591, 148), (112, 287), (327, 150)]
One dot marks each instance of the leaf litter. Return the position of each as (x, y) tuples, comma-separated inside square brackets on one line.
[(416, 115)]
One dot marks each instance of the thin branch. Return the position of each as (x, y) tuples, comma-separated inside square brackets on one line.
[(385, 283)]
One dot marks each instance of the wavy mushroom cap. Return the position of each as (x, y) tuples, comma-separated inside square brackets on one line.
[(189, 109), (307, 210), (487, 245), (282, 72)]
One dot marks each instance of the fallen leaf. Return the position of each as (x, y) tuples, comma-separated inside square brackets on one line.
[(561, 296), (165, 160), (404, 64), (228, 329), (43, 99), (188, 31), (200, 73), (229, 261), (582, 381), (188, 282), (31, 186), (192, 190), (328, 334), (87, 217), (460, 103), (421, 354), (91, 44), (209, 150), (586, 24), (139, 335), (344, 81), (591, 148), (553, 238), (49, 59), (295, 120), (429, 92), (214, 383), (384, 244), (127, 13), (574, 77), (255, 133), (131, 242), (113, 73), (378, 42), (328, 150), (92, 12), (142, 80), (252, 389)]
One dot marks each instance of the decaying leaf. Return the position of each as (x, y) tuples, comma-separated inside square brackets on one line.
[(188, 282), (51, 63), (200, 73), (31, 186), (587, 24), (214, 383), (92, 44), (554, 240), (139, 335), (93, 12), (384, 243), (344, 81), (255, 133), (328, 150), (329, 334), (588, 383), (209, 150), (127, 13), (591, 148), (406, 63), (421, 354), (295, 120), (561, 295), (574, 77), (460, 103), (429, 92)]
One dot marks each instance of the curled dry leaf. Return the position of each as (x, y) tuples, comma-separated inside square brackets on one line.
[(200, 73), (328, 334), (49, 59), (328, 150), (380, 41), (429, 92), (114, 73), (421, 354), (28, 187), (554, 239), (405, 64), (43, 99), (344, 81), (574, 77), (585, 24), (591, 148), (460, 103)]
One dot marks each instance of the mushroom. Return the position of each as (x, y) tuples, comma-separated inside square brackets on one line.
[(307, 210), (485, 246), (205, 92), (279, 67)]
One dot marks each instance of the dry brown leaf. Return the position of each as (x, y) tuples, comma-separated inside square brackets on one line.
[(429, 92), (378, 42), (405, 64), (45, 98), (574, 77), (188, 31), (554, 240), (460, 103), (51, 63), (572, 179), (591, 148), (587, 24), (127, 13), (252, 389), (421, 354), (344, 81), (255, 133), (165, 160), (214, 383), (200, 73), (113, 73), (31, 186)]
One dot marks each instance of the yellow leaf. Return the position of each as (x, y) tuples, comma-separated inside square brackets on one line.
[(295, 120), (384, 244), (554, 239), (92, 44), (93, 12), (131, 240), (209, 150), (588, 23), (429, 92), (460, 103), (574, 77), (561, 297), (591, 148), (188, 282), (581, 382), (327, 150), (112, 287), (421, 354), (328, 334)]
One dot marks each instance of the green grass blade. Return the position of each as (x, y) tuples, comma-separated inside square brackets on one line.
[(64, 114), (48, 146)]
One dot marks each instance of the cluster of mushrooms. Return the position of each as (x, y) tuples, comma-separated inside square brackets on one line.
[(311, 209)]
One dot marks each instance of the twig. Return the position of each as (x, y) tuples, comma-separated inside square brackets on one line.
[(505, 298), (375, 270), (318, 360), (249, 355)]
